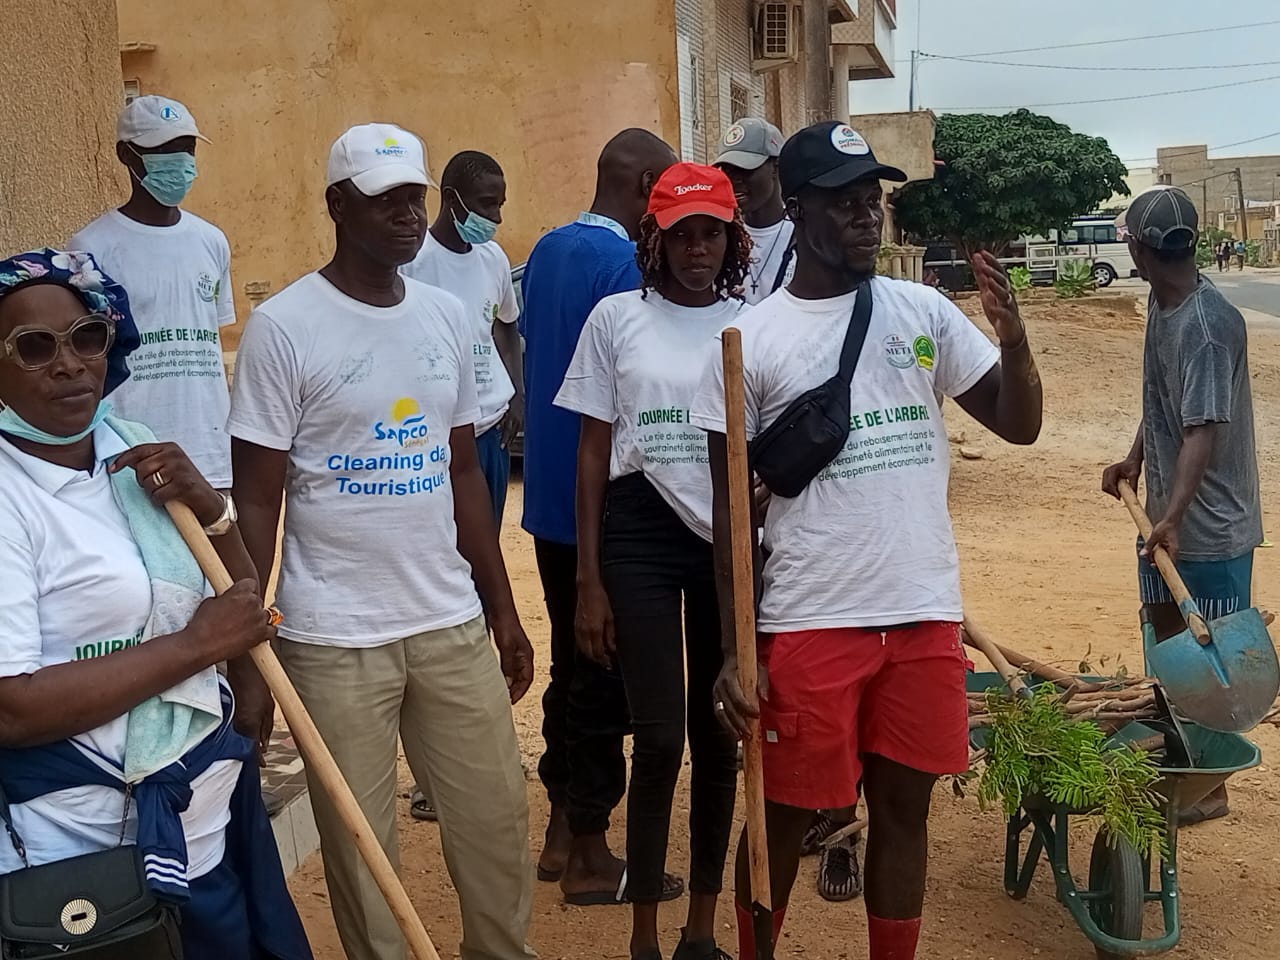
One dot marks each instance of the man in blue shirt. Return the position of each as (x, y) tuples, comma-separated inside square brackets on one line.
[(584, 709)]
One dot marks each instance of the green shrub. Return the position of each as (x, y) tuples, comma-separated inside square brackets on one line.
[(1020, 279), (1075, 279)]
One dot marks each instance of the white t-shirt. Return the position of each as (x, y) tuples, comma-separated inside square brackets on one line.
[(74, 587), (363, 399), (769, 251), (637, 367), (179, 283), (869, 542), (481, 279)]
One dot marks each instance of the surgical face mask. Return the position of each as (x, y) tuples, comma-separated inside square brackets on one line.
[(169, 176), (12, 424), (474, 229)]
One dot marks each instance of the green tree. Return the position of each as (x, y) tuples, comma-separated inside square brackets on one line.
[(1002, 177)]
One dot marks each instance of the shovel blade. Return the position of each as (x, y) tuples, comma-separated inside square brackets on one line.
[(1228, 684), (762, 928)]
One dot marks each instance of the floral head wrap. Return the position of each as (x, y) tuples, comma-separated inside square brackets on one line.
[(80, 274)]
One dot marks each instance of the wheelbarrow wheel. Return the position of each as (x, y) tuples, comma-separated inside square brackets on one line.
[(1116, 871)]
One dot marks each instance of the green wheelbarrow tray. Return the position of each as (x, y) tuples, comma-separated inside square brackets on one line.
[(1120, 878)]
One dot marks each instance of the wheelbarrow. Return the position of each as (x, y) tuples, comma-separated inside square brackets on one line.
[(1109, 909)]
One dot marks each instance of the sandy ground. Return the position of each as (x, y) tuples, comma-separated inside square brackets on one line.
[(1049, 569)]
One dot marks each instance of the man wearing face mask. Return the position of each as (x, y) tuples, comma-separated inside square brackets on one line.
[(177, 269), (460, 255)]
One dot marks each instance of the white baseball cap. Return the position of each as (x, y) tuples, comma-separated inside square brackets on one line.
[(378, 157), (154, 121)]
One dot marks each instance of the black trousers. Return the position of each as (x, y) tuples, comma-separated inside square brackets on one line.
[(584, 710), (655, 568)]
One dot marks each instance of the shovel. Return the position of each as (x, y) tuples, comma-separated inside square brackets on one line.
[(974, 636), (319, 760), (1223, 675), (742, 538)]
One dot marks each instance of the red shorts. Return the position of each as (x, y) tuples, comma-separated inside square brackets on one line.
[(835, 695)]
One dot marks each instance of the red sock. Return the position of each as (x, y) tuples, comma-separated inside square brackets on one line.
[(893, 939), (747, 934)]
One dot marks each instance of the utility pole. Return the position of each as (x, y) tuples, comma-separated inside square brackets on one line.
[(1244, 214), (1204, 200), (915, 54), (817, 61)]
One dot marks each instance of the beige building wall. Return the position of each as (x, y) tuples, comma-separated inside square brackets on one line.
[(539, 86), (1211, 182), (59, 95)]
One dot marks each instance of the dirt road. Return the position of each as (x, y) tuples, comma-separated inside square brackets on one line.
[(1049, 568)]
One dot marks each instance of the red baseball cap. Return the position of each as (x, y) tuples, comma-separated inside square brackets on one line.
[(688, 189)]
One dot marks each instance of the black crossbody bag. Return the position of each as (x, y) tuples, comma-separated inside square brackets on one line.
[(812, 431), (92, 907)]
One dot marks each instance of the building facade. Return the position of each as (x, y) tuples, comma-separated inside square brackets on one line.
[(60, 87), (1211, 183)]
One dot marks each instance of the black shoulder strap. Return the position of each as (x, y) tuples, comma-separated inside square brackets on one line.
[(787, 256), (7, 817), (856, 336)]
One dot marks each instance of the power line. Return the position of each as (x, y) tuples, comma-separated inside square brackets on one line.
[(1056, 66), (1220, 146), (1153, 36), (1140, 96)]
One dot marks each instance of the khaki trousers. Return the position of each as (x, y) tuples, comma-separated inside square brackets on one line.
[(444, 695)]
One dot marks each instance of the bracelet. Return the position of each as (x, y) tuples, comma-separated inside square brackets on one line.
[(1017, 346)]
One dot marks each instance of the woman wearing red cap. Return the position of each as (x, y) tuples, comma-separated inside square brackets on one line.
[(644, 533)]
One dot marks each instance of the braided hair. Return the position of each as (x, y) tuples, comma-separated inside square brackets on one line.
[(652, 258)]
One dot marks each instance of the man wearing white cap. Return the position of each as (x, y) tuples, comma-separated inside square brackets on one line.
[(749, 157), (355, 399), (176, 268)]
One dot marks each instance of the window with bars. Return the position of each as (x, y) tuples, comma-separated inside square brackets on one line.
[(739, 102)]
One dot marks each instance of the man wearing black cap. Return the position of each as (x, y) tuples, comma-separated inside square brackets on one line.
[(1196, 435), (860, 613)]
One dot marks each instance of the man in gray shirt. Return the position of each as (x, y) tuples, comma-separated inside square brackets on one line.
[(1196, 436)]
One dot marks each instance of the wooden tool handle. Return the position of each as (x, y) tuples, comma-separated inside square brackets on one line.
[(1044, 671), (742, 538), (319, 760), (977, 638), (1164, 563)]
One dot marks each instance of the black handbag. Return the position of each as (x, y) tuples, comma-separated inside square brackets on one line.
[(92, 907), (812, 431)]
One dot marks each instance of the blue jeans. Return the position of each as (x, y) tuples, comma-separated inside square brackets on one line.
[(495, 461)]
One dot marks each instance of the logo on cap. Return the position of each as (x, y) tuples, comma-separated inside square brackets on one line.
[(169, 114), (847, 140), (682, 188), (390, 148), (734, 135)]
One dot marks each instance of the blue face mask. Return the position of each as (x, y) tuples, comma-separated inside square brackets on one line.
[(474, 229), (15, 426), (169, 176)]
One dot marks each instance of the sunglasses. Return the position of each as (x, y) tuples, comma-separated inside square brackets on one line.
[(33, 347)]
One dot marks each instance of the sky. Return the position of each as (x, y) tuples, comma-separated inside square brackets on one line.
[(1134, 128)]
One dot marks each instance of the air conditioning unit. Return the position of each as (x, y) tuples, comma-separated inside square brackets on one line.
[(777, 34)]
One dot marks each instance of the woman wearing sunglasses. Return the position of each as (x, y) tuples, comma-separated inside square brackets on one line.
[(108, 645), (644, 533)]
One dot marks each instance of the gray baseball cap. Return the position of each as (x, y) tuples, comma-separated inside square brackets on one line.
[(1163, 218), (749, 143)]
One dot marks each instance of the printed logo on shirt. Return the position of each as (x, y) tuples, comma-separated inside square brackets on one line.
[(898, 352), (105, 648), (925, 351), (208, 287), (395, 474), (407, 427), (390, 148)]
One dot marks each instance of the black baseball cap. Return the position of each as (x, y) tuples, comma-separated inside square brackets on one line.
[(1163, 218), (830, 154)]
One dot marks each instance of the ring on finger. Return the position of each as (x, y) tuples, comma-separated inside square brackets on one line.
[(719, 706), (274, 616), (159, 479)]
